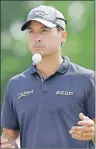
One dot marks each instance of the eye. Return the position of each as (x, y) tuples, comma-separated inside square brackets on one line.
[(30, 31), (44, 30)]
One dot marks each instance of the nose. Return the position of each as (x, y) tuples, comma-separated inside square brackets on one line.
[(37, 38)]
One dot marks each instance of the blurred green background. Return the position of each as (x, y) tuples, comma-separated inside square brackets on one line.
[(15, 55)]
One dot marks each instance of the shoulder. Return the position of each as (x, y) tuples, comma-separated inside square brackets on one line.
[(19, 78), (82, 74), (80, 70), (21, 75)]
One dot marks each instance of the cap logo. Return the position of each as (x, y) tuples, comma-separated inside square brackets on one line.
[(42, 14)]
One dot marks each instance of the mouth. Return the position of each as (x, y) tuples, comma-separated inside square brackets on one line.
[(38, 47)]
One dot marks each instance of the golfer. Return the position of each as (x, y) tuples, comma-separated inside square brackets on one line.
[(52, 103)]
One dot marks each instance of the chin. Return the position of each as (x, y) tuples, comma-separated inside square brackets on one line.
[(43, 53)]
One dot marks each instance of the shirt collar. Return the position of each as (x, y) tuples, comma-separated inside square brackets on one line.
[(65, 65), (62, 69)]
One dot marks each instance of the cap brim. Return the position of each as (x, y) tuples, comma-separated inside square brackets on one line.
[(45, 22)]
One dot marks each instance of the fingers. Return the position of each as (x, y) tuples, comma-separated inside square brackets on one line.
[(83, 128), (83, 117), (81, 137), (7, 146), (85, 120), (80, 133), (88, 123), (5, 143), (3, 140)]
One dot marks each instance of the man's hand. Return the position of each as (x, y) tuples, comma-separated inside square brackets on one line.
[(8, 138), (6, 143), (85, 130)]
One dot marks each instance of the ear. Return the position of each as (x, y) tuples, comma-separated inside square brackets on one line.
[(63, 36)]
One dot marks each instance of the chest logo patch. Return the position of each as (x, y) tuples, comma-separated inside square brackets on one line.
[(66, 93), (25, 93)]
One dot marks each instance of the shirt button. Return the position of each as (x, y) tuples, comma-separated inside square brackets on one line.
[(43, 92)]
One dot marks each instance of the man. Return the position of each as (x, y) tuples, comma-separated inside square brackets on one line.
[(52, 103)]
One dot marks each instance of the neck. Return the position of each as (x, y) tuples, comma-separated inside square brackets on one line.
[(49, 64)]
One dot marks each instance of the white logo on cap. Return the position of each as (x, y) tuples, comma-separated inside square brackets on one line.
[(40, 13), (43, 14)]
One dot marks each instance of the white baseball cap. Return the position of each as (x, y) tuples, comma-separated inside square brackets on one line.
[(47, 15)]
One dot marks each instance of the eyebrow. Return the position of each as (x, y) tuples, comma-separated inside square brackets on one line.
[(43, 27)]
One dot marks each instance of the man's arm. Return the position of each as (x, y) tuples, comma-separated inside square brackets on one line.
[(11, 133)]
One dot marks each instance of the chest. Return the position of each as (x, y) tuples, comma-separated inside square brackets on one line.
[(66, 95)]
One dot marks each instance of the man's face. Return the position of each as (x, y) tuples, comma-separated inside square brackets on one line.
[(43, 40)]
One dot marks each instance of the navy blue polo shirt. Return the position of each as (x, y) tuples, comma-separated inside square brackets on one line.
[(45, 110)]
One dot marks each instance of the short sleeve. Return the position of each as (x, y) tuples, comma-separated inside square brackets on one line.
[(8, 117), (90, 100)]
